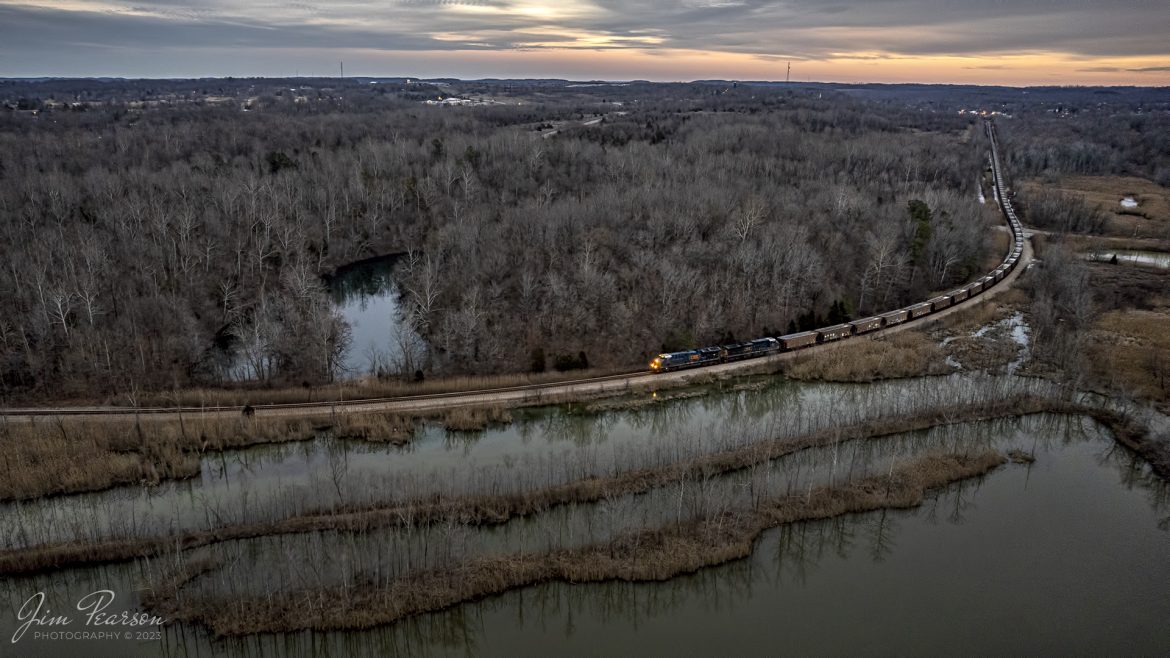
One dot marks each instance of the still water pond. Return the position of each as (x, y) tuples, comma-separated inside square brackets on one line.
[(1069, 556), (368, 299), (1143, 258), (1066, 557)]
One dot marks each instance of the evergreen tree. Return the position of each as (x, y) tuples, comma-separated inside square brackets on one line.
[(921, 216)]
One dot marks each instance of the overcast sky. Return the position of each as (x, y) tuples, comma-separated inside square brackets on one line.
[(993, 41)]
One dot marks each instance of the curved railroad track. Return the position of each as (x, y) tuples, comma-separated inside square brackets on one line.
[(1019, 256)]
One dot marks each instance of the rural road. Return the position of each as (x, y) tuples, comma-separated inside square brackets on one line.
[(518, 395)]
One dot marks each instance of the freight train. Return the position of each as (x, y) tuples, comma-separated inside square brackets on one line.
[(704, 356)]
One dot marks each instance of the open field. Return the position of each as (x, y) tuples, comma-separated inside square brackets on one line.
[(1091, 243), (1150, 219), (1128, 286), (1130, 352)]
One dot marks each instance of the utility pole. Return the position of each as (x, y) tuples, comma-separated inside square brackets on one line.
[(343, 69)]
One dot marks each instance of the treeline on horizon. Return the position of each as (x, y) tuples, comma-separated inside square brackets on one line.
[(139, 242)]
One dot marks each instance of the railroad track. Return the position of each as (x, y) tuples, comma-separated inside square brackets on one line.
[(320, 405), (1015, 263)]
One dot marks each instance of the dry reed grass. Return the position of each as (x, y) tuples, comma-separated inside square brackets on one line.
[(1021, 457), (59, 455), (650, 555), (1088, 243), (1001, 242), (903, 354), (52, 455), (395, 429), (1130, 351), (657, 397), (495, 509), (473, 419), (977, 316)]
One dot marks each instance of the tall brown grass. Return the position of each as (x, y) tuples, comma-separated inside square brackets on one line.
[(470, 419), (396, 429), (58, 455), (1001, 242), (1086, 243), (903, 354), (1130, 351)]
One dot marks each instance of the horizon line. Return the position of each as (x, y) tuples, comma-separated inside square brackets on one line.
[(45, 78)]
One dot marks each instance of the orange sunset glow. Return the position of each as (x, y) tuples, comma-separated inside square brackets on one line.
[(1026, 43)]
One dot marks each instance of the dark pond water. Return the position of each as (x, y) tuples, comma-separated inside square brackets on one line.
[(1145, 258), (368, 299), (1067, 557)]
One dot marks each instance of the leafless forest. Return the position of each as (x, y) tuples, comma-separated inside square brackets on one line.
[(1082, 137), (145, 230)]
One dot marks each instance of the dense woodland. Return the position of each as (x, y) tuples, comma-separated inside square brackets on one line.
[(1101, 142), (141, 240)]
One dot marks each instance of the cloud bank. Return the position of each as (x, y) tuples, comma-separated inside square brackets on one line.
[(1125, 38)]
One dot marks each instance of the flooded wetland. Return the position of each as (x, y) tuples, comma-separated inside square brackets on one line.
[(305, 535)]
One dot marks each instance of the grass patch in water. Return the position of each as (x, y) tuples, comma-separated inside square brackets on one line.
[(650, 555)]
